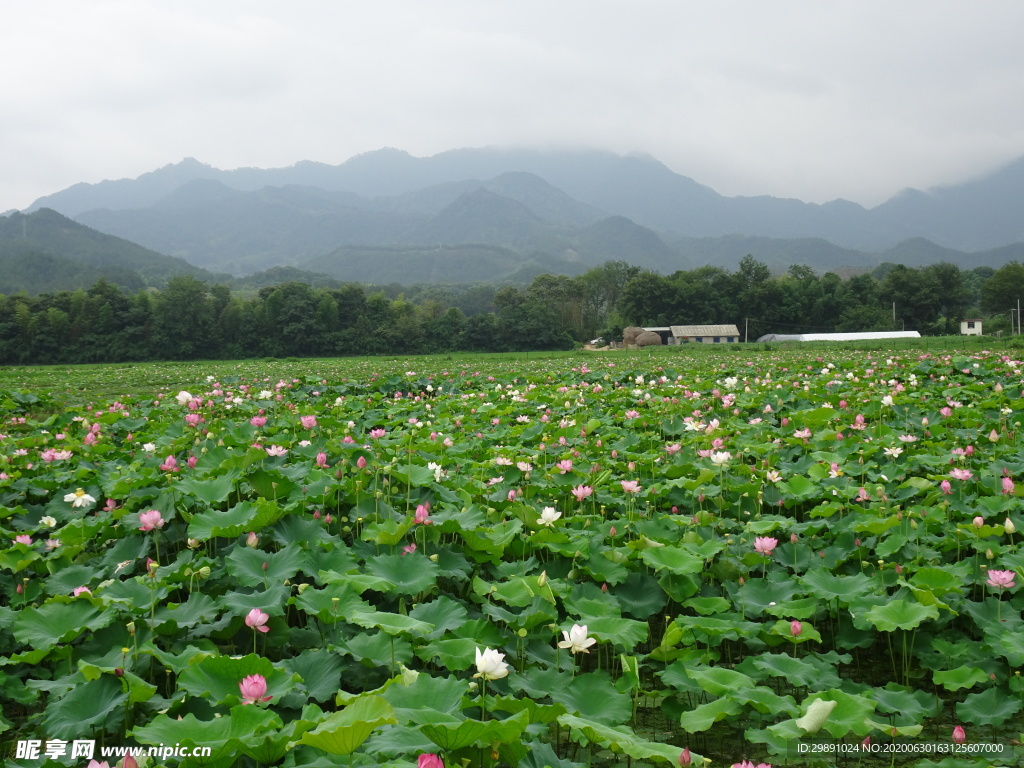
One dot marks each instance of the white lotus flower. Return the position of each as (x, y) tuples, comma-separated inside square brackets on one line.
[(490, 664), (548, 516), (576, 639), (183, 397), (79, 498), (720, 458)]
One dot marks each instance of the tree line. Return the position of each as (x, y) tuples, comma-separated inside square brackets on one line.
[(190, 319)]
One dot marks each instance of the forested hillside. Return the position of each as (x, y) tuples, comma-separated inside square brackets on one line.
[(190, 319)]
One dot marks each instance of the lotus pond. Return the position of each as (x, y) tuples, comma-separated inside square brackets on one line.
[(791, 558)]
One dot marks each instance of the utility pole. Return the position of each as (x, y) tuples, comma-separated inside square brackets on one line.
[(746, 329)]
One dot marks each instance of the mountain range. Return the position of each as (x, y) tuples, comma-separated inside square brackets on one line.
[(492, 214)]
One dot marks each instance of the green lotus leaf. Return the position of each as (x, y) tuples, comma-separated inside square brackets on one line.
[(816, 715), (85, 707), (212, 489), (408, 574), (990, 707), (457, 735), (900, 614), (719, 681), (59, 620), (623, 740), (593, 696), (342, 733), (217, 677), (253, 567), (391, 623)]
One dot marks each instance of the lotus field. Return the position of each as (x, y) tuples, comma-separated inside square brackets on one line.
[(788, 558)]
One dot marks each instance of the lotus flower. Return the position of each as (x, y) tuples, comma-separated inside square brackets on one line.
[(1001, 579), (257, 620), (253, 688), (959, 735), (150, 520), (582, 491), (764, 545), (79, 499), (548, 516), (490, 664), (576, 639), (429, 760)]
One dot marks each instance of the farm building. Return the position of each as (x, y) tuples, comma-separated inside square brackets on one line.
[(856, 336), (970, 327), (700, 334)]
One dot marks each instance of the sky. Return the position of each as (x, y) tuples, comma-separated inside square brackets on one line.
[(813, 100)]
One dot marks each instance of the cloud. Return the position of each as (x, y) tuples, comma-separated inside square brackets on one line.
[(804, 99)]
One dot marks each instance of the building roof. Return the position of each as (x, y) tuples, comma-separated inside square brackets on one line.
[(855, 336), (704, 330)]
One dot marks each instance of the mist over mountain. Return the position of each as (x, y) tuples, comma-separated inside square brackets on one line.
[(526, 208), (46, 251)]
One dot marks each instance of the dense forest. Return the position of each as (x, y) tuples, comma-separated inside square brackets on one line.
[(191, 319)]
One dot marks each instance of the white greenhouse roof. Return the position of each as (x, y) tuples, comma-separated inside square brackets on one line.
[(854, 336)]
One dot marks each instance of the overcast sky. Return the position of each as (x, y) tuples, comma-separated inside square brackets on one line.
[(813, 100)]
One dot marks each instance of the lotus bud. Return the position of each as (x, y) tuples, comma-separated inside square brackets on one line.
[(684, 758), (266, 565), (978, 522), (252, 540), (1008, 526), (542, 579), (433, 558), (989, 554), (194, 543), (131, 628), (118, 672), (959, 736)]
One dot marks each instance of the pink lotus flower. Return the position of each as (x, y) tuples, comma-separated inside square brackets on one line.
[(253, 688), (257, 620), (276, 450), (630, 486), (564, 466), (959, 735), (429, 760), (765, 545), (863, 495), (961, 474), (192, 461), (748, 764), (796, 628), (978, 522), (193, 419), (581, 492), (170, 465), (150, 520), (377, 433), (321, 460), (408, 549), (258, 421), (1001, 579), (23, 539), (685, 758), (252, 540), (81, 591), (672, 449), (947, 488), (308, 422), (95, 764), (1008, 486), (423, 514)]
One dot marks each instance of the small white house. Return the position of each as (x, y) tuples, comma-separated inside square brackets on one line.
[(970, 328), (697, 334)]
